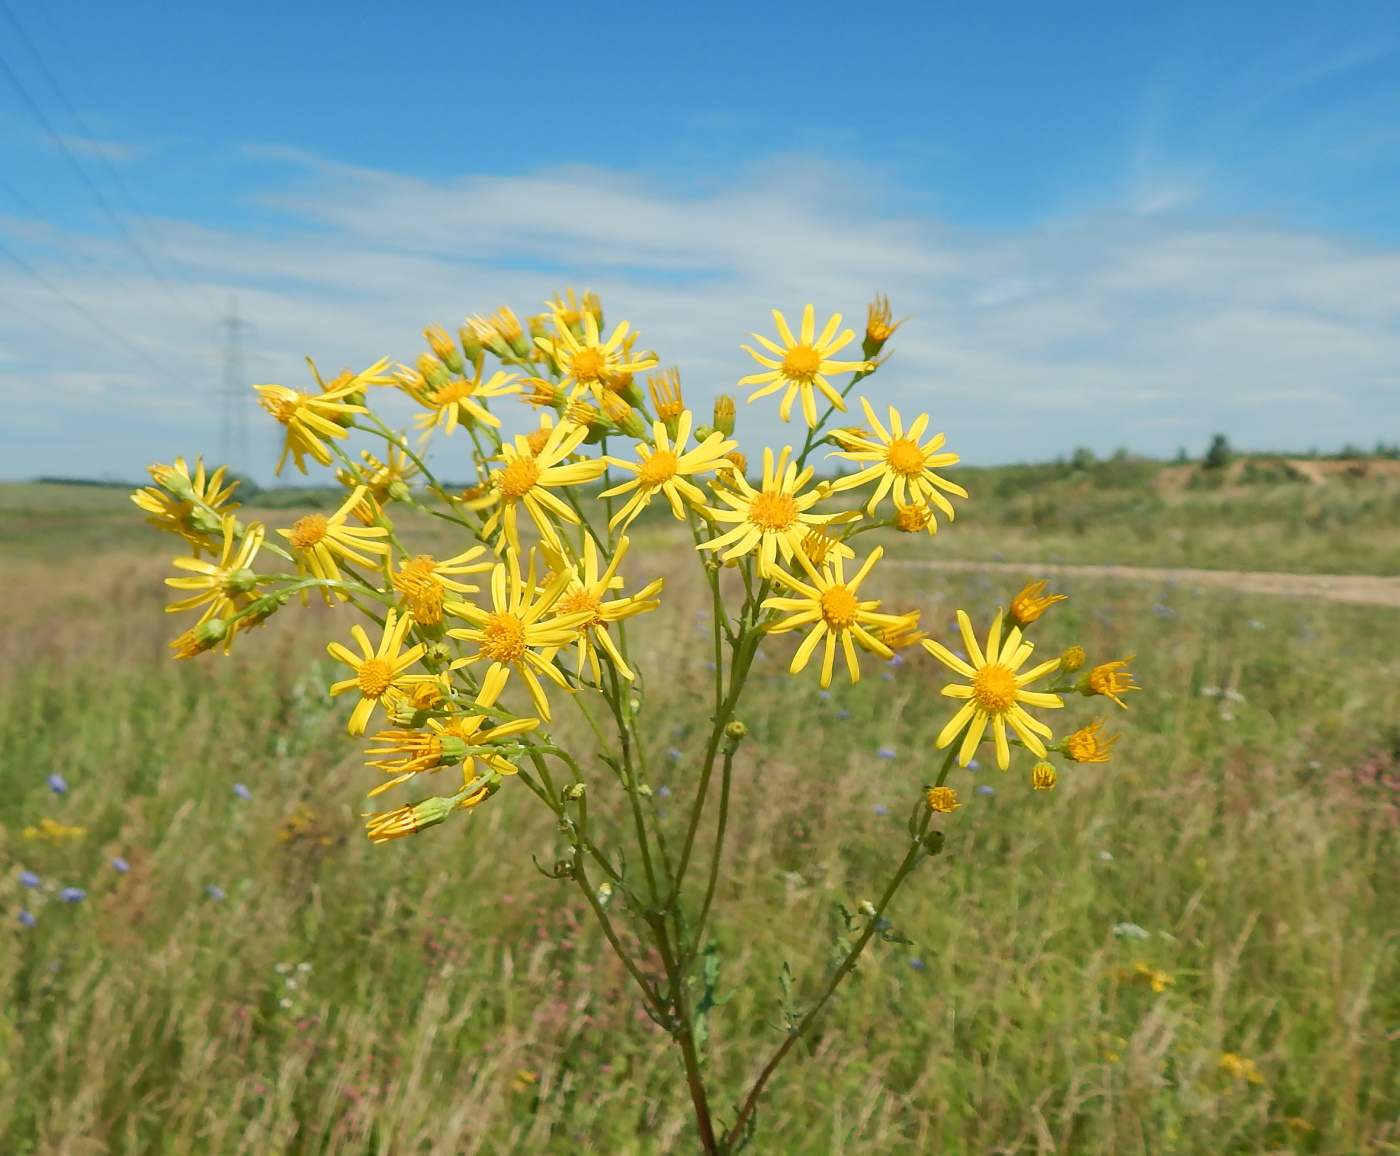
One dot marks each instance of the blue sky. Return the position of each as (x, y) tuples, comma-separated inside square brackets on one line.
[(1116, 224)]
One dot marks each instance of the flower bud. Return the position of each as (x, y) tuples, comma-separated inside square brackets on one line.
[(1072, 659), (433, 371), (443, 347), (724, 415), (573, 792), (471, 343), (1043, 777), (407, 820), (735, 730), (398, 491), (866, 908), (703, 432), (172, 481)]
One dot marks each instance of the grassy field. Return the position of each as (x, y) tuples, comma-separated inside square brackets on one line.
[(262, 980)]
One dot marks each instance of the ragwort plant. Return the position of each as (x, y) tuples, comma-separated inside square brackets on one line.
[(544, 531)]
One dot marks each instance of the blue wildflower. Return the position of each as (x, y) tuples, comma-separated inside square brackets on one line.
[(72, 895), (29, 879), (918, 965), (986, 789), (26, 918), (214, 891), (120, 865), (242, 791), (57, 784), (880, 809), (886, 752)]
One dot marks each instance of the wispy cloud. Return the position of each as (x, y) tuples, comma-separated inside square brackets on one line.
[(1106, 329)]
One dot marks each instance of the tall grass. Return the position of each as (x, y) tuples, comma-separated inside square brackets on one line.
[(455, 1001)]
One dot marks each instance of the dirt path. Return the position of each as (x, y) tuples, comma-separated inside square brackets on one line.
[(1359, 589)]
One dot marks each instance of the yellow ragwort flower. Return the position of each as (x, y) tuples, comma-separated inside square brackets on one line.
[(831, 607), (526, 478), (53, 832), (772, 519), (386, 481), (1088, 745), (188, 506), (802, 364), (509, 634), (1241, 1067), (879, 325), (587, 593), (457, 401), (1043, 777), (904, 631), (1109, 680), (899, 463), (1155, 978), (443, 744), (1032, 602), (421, 581), (412, 818), (589, 365), (996, 692), (1072, 659), (378, 673), (663, 468), (310, 418), (227, 586), (317, 541), (944, 800)]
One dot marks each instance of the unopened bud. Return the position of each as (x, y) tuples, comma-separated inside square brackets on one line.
[(471, 343), (703, 432), (242, 581), (1072, 659), (443, 347), (398, 491), (172, 481), (573, 792), (209, 633), (1043, 777), (866, 908), (735, 730), (433, 371), (724, 415)]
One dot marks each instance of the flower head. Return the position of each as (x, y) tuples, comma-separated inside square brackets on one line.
[(191, 506), (587, 592), (664, 468), (456, 401), (311, 418), (589, 364), (1032, 602), (1072, 659), (414, 817), (422, 581), (527, 477), (898, 463), (378, 673), (386, 481), (444, 744), (1109, 680), (995, 693), (879, 325), (317, 541), (944, 800), (226, 587), (1088, 744), (1043, 777), (802, 364)]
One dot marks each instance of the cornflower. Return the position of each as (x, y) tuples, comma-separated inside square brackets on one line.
[(421, 581), (527, 477), (378, 673), (318, 541), (1088, 745), (900, 463), (182, 504), (802, 364), (663, 468), (773, 519), (995, 693), (310, 418), (831, 607), (590, 364), (586, 594), (1032, 602), (1109, 680), (512, 631), (444, 744), (226, 586)]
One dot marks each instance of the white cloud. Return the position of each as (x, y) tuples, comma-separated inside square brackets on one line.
[(1106, 329)]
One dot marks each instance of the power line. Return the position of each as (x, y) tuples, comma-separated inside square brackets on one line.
[(57, 139)]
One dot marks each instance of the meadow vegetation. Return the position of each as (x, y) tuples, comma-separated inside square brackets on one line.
[(1190, 949)]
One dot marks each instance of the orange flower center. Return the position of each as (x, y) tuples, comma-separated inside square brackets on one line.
[(905, 458), (582, 599), (801, 363), (994, 688), (424, 598), (308, 531), (839, 607), (660, 467), (518, 478), (503, 638), (535, 439), (910, 519), (454, 391), (773, 511), (374, 677), (589, 364), (285, 408)]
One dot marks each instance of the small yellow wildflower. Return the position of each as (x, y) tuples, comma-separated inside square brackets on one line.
[(444, 348), (509, 634), (386, 481), (724, 415), (912, 519), (803, 362), (879, 325), (902, 466), (456, 401), (1157, 979), (831, 607), (53, 832), (995, 693), (1088, 745), (378, 673), (310, 418), (188, 506), (589, 364), (502, 334), (227, 586), (944, 800), (1241, 1067), (444, 744), (586, 593), (422, 583), (526, 478), (204, 636), (317, 541), (1032, 602), (1109, 680), (1072, 659), (772, 520), (663, 468), (904, 632), (543, 393), (412, 818), (1043, 777), (666, 396)]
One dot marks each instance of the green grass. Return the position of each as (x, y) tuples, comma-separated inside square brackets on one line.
[(458, 1002)]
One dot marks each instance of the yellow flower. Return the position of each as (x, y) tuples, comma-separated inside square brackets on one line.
[(1032, 602), (899, 462), (1157, 979), (55, 833), (1109, 680), (420, 580), (772, 519), (666, 395), (943, 800), (572, 311), (1088, 745), (587, 595), (1072, 659), (590, 364), (312, 417), (444, 744), (509, 634), (318, 540), (830, 606), (179, 504), (457, 401), (904, 631), (663, 469), (226, 586), (1043, 777), (995, 693), (412, 818), (802, 364), (879, 325), (385, 481), (1241, 1067), (378, 673), (527, 477)]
